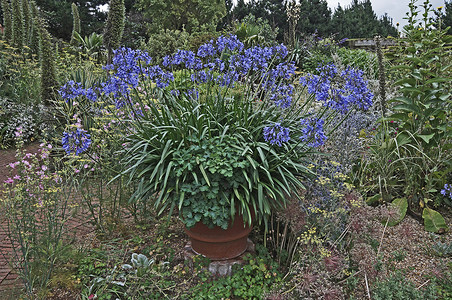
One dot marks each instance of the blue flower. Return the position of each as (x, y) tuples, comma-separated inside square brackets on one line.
[(339, 91), (183, 57), (282, 95), (71, 90), (91, 94), (207, 50), (447, 191), (231, 42), (76, 141), (276, 134), (313, 132), (201, 77)]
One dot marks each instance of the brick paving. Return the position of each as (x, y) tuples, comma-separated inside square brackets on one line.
[(77, 225)]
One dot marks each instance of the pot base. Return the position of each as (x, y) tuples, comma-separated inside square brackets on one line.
[(217, 243), (219, 267)]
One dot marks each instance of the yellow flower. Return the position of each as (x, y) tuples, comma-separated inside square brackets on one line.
[(439, 7)]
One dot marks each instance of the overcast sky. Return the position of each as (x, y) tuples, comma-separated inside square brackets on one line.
[(396, 9)]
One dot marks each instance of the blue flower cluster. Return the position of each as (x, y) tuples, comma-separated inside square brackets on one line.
[(339, 90), (241, 63), (276, 134), (263, 67), (313, 132), (72, 90), (129, 67), (447, 191), (76, 141)]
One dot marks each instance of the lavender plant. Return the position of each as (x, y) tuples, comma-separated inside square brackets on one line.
[(218, 132)]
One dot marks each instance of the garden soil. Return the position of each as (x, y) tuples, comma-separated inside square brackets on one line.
[(78, 228), (406, 246)]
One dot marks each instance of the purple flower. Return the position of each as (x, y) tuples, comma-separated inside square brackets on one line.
[(313, 132), (447, 191), (276, 134), (207, 50), (76, 141), (90, 94), (231, 42), (339, 91), (71, 90)]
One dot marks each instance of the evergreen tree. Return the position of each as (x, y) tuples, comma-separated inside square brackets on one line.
[(58, 16), (339, 23), (7, 20), (75, 24), (446, 16), (114, 27), (273, 11), (360, 21), (315, 16), (227, 20), (240, 11), (386, 27), (189, 15), (18, 24)]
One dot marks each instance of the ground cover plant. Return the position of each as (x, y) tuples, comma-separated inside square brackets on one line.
[(348, 176)]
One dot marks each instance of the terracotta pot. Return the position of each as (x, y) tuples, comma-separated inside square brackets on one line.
[(217, 243)]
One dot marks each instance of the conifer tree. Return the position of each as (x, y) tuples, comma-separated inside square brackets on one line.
[(7, 20), (315, 17), (114, 27), (76, 24), (18, 24)]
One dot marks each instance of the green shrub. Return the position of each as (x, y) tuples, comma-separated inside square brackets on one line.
[(359, 59), (166, 42), (396, 287), (259, 275)]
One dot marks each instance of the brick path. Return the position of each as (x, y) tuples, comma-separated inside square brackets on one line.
[(77, 225)]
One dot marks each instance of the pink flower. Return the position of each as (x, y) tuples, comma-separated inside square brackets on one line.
[(49, 146), (86, 166), (13, 165), (17, 177), (91, 297), (19, 131), (76, 170), (44, 167), (9, 180)]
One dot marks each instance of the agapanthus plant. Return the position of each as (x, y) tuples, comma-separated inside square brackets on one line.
[(218, 131)]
